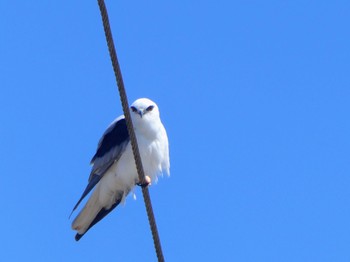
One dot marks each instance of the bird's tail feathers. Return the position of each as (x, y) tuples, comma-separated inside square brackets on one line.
[(82, 222), (92, 213)]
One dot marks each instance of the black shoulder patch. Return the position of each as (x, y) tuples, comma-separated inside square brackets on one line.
[(115, 137)]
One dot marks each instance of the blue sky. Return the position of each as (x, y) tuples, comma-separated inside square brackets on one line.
[(255, 98)]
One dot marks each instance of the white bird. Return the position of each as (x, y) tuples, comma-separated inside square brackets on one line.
[(113, 166)]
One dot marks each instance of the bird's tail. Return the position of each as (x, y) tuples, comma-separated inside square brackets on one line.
[(83, 221), (93, 212)]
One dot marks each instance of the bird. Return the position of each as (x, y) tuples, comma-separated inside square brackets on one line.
[(113, 175)]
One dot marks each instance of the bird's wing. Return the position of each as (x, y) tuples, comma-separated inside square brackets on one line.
[(110, 147)]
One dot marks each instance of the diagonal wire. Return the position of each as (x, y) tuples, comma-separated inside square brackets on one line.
[(135, 149)]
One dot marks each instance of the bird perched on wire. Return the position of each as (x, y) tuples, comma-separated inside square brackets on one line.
[(114, 172)]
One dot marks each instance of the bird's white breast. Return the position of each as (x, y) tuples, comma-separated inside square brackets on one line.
[(122, 175)]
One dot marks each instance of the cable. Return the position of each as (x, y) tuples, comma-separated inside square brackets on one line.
[(135, 149)]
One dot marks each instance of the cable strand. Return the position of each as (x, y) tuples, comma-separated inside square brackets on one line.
[(133, 140)]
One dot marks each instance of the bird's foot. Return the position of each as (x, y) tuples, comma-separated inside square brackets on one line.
[(145, 183)]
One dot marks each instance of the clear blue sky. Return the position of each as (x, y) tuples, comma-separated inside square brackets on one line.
[(255, 96)]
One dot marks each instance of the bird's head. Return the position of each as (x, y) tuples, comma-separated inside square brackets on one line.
[(144, 109)]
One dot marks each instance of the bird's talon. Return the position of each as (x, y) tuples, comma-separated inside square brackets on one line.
[(145, 183), (142, 184)]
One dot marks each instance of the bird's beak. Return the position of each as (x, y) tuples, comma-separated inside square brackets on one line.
[(141, 113)]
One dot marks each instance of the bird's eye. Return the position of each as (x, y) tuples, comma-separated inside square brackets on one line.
[(150, 108), (133, 109)]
